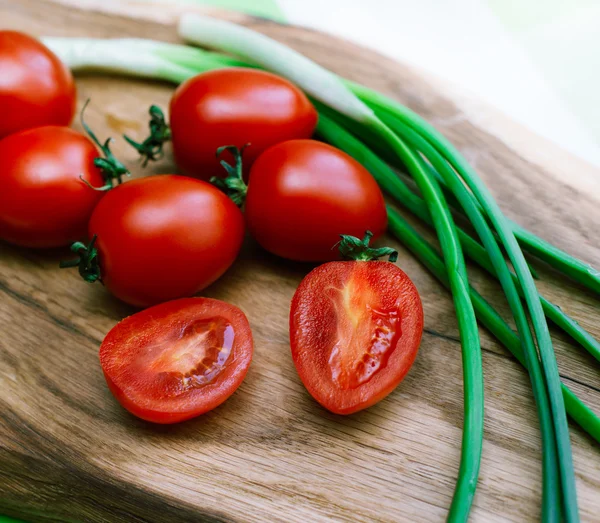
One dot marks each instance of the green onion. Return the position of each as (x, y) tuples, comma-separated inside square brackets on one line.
[(576, 269), (472, 366), (531, 297), (550, 508), (274, 56)]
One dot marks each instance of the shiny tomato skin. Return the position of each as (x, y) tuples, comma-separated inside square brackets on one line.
[(146, 370), (43, 202), (355, 329), (303, 194), (234, 106), (36, 88), (164, 237)]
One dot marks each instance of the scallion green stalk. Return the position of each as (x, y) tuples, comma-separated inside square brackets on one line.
[(471, 349), (131, 56), (551, 488), (531, 297)]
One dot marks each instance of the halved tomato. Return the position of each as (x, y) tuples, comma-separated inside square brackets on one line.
[(177, 360), (355, 328)]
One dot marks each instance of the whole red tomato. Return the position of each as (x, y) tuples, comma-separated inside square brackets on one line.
[(163, 237), (355, 329), (43, 201), (303, 194), (235, 106), (177, 360), (36, 88)]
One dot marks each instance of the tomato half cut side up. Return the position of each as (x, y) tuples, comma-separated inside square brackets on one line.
[(177, 360), (355, 329)]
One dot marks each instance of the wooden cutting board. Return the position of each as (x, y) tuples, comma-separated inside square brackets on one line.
[(69, 452)]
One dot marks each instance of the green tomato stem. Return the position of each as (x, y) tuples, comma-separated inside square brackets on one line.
[(151, 149), (353, 248), (233, 184), (87, 261), (111, 168)]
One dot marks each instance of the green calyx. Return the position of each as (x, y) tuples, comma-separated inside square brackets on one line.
[(151, 149), (87, 262), (112, 169), (233, 184), (353, 248)]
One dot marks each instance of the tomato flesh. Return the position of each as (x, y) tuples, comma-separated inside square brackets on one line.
[(355, 329), (36, 88), (234, 106), (177, 360), (43, 201), (164, 237), (303, 194)]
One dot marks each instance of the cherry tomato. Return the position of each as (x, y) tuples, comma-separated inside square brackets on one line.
[(355, 328), (43, 202), (164, 237), (303, 194), (235, 106), (36, 88), (177, 360)]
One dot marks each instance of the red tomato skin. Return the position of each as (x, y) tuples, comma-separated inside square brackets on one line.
[(118, 351), (313, 325), (234, 106), (164, 237), (303, 194), (36, 88), (43, 202)]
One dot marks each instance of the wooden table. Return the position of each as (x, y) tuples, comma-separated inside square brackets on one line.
[(69, 452)]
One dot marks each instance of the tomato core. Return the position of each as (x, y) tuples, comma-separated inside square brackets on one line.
[(195, 356), (365, 335)]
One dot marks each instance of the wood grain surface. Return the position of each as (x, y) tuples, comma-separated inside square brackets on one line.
[(69, 452)]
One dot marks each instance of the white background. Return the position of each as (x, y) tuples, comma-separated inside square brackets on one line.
[(466, 42)]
